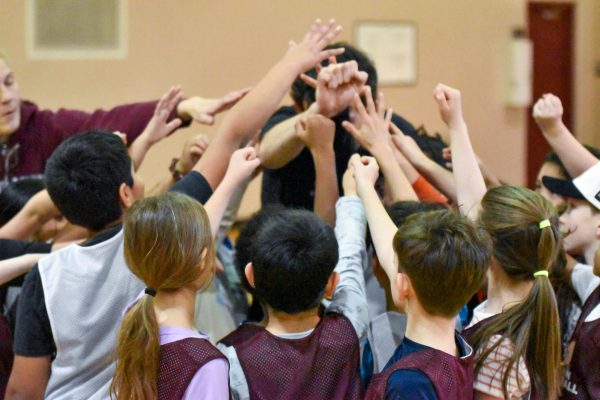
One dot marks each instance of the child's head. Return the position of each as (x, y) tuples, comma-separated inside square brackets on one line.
[(91, 181), (295, 253), (168, 245), (442, 260), (526, 242)]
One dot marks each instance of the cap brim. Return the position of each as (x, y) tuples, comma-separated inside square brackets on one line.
[(562, 187)]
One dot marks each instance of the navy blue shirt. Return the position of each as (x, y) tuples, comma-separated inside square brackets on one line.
[(409, 383)]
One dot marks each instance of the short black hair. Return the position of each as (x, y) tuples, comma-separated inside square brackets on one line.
[(304, 95), (83, 177), (401, 210), (244, 246), (295, 254), (15, 195)]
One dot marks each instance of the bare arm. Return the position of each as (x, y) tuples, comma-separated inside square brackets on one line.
[(29, 378), (547, 113), (38, 210), (470, 186), (250, 114), (374, 136), (17, 266), (243, 163), (317, 133)]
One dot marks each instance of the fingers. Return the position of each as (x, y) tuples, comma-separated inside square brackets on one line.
[(204, 119), (352, 130), (172, 125), (169, 100), (395, 129), (308, 80), (328, 33), (360, 108), (369, 98), (325, 54)]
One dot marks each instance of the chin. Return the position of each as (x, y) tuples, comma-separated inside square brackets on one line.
[(10, 127)]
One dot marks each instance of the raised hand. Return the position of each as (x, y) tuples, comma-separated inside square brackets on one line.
[(193, 149), (348, 181), (158, 127), (366, 170), (316, 132), (242, 164), (336, 85), (373, 134), (310, 51), (548, 112), (450, 106), (204, 110)]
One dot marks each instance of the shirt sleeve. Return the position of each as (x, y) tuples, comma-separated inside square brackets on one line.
[(349, 298), (194, 185), (211, 382), (10, 248), (409, 384), (584, 281), (33, 334), (427, 193)]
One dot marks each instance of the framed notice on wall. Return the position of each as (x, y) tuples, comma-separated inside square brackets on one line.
[(81, 29), (393, 48)]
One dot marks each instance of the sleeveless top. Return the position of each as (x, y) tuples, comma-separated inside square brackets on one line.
[(582, 377), (86, 289), (323, 365), (451, 376), (179, 362)]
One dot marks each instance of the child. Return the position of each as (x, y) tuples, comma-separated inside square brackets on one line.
[(302, 350), (581, 380), (441, 261), (515, 333), (159, 354)]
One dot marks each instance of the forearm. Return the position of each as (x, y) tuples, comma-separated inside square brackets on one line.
[(280, 144), (138, 150), (382, 229), (217, 204), (38, 210), (470, 185), (245, 119), (438, 176), (575, 157), (326, 185), (231, 211), (397, 182), (17, 266)]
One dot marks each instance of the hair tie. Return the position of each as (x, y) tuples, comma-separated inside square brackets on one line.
[(540, 273), (545, 224), (150, 291)]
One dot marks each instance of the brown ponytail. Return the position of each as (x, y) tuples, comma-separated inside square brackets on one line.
[(168, 245), (522, 247)]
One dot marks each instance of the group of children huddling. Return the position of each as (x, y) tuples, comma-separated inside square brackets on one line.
[(120, 306)]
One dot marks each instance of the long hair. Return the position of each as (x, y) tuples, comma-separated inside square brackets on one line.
[(168, 245), (512, 217)]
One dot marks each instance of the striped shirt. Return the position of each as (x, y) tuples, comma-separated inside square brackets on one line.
[(490, 376)]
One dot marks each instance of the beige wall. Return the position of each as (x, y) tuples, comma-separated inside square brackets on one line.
[(214, 46)]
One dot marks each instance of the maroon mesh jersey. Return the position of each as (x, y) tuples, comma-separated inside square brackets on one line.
[(179, 362), (582, 378), (452, 377), (323, 365), (6, 354)]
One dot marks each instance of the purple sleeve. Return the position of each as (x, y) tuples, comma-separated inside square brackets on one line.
[(211, 382)]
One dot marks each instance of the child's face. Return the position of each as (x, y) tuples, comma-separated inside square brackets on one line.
[(549, 169), (579, 224)]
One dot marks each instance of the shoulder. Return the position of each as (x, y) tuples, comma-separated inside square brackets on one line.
[(409, 384)]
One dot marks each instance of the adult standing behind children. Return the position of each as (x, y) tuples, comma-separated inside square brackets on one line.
[(29, 135)]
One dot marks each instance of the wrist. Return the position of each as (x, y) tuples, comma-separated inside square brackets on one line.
[(555, 129), (457, 125), (322, 151)]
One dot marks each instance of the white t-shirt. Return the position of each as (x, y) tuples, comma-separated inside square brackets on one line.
[(585, 282)]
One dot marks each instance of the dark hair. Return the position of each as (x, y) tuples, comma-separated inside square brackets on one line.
[(83, 177), (294, 255), (446, 258), (304, 95), (512, 216), (14, 196), (401, 210), (244, 246)]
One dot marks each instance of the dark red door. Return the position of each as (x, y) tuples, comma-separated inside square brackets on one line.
[(551, 29)]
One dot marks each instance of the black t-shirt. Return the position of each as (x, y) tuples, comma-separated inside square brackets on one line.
[(294, 184), (33, 334)]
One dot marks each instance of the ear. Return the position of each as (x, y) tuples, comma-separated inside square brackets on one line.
[(126, 196), (597, 231), (249, 272), (332, 283), (203, 259), (403, 286)]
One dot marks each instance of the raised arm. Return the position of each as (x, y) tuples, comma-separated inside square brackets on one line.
[(470, 186), (373, 135), (317, 133), (243, 162), (548, 112), (36, 212), (335, 88), (250, 114)]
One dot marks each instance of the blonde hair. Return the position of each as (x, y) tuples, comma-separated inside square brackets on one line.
[(168, 245)]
